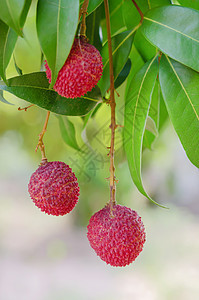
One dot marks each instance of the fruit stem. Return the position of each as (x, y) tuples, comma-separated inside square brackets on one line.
[(139, 10), (83, 13), (112, 105), (40, 144)]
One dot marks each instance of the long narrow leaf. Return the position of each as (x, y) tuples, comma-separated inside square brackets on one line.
[(93, 27), (137, 104), (34, 88), (24, 12), (68, 132), (56, 26), (8, 38), (10, 13), (179, 86), (130, 14), (174, 30), (121, 46), (152, 124)]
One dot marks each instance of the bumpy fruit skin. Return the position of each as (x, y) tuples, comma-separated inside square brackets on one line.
[(81, 71), (117, 240), (54, 189)]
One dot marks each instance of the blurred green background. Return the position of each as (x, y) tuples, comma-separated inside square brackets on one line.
[(44, 257)]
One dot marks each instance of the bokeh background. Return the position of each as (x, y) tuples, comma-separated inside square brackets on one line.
[(48, 258)]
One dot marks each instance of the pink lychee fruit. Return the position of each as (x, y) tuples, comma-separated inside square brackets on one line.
[(81, 72), (53, 188), (117, 238)]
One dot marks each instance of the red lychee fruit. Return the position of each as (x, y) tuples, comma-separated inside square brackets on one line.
[(81, 71), (53, 188), (118, 238)]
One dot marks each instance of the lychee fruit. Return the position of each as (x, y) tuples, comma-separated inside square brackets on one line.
[(53, 188), (81, 72), (117, 238)]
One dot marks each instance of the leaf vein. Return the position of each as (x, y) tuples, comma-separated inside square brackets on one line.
[(116, 8), (123, 41), (185, 91), (136, 105), (168, 27)]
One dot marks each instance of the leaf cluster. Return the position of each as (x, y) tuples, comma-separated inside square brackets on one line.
[(156, 57)]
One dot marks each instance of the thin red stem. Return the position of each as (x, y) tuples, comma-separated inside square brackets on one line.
[(25, 108), (40, 144), (139, 10), (112, 105)]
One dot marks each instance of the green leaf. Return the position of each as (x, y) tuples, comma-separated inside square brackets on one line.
[(14, 12), (93, 4), (163, 113), (190, 3), (154, 107), (144, 47), (137, 104), (25, 12), (86, 119), (152, 124), (93, 27), (136, 64), (68, 132), (90, 115), (19, 71), (8, 38), (158, 114), (56, 26), (123, 74), (130, 14), (116, 19), (121, 47), (132, 18), (2, 99), (148, 140), (179, 86), (174, 30), (34, 88), (157, 3)]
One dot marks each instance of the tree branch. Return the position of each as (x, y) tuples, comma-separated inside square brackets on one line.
[(112, 105)]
